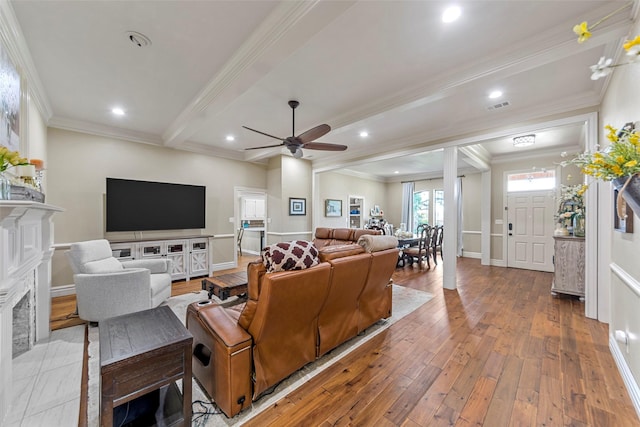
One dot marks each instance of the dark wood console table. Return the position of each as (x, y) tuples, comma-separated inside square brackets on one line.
[(142, 352)]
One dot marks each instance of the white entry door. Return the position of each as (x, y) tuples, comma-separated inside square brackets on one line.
[(530, 230)]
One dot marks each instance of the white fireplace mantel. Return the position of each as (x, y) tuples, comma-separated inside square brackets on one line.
[(26, 239)]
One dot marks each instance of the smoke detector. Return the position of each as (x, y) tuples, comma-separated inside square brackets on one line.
[(138, 39)]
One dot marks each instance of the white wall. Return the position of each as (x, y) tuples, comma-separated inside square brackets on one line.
[(621, 104)]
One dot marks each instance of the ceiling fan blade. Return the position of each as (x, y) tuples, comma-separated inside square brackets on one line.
[(324, 146), (265, 134), (265, 146), (314, 133)]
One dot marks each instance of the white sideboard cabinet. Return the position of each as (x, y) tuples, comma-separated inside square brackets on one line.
[(189, 256), (569, 263)]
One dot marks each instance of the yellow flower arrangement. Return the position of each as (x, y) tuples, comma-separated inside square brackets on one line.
[(621, 158), (10, 158)]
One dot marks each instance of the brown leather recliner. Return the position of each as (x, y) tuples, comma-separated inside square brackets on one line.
[(339, 236), (290, 319)]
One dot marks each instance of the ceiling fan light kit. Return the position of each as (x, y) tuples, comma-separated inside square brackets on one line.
[(295, 144)]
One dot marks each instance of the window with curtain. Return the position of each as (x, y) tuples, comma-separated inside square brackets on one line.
[(420, 208)]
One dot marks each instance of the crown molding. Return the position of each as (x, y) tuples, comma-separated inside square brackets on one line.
[(16, 45), (104, 131), (508, 158)]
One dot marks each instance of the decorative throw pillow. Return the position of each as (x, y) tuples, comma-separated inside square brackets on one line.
[(284, 256)]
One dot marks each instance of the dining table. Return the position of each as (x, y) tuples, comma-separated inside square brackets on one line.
[(405, 242)]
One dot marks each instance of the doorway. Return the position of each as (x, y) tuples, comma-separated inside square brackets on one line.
[(251, 221), (530, 230)]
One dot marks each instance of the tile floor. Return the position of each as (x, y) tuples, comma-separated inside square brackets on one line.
[(46, 382)]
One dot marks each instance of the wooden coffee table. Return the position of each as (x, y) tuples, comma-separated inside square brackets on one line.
[(142, 352), (226, 285)]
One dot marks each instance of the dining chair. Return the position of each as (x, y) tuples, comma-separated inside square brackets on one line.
[(240, 234), (436, 243), (433, 242), (420, 252)]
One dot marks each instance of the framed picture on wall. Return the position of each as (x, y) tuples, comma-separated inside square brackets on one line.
[(332, 207), (297, 206), (10, 102)]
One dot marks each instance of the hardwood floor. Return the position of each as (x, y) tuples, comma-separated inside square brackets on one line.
[(499, 351)]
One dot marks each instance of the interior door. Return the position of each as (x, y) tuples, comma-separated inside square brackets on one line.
[(530, 230)]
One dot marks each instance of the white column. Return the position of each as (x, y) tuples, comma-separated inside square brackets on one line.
[(450, 239), (485, 219)]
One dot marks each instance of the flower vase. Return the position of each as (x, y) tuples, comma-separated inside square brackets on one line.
[(578, 224), (631, 193), (5, 187), (560, 230)]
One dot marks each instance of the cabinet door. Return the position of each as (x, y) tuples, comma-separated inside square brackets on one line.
[(176, 251), (260, 209), (249, 209), (124, 251), (569, 267), (199, 257), (150, 250)]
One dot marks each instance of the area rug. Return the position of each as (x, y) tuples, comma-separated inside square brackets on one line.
[(405, 301)]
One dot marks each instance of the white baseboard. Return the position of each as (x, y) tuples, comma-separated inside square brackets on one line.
[(478, 255), (222, 266), (64, 290), (625, 373)]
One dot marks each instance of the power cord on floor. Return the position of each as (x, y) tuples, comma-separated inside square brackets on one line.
[(201, 410)]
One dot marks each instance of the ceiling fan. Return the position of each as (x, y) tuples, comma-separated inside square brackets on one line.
[(295, 144)]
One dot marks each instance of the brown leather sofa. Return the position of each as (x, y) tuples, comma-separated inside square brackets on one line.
[(339, 236), (291, 318)]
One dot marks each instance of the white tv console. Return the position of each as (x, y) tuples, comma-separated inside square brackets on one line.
[(189, 255)]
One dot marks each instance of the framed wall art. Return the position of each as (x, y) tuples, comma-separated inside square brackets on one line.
[(332, 207), (297, 206), (9, 102)]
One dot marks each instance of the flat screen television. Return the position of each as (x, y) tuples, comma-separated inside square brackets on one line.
[(145, 205)]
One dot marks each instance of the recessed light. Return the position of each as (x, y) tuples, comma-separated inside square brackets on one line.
[(396, 171), (364, 134), (230, 138), (451, 14), (495, 94), (117, 111)]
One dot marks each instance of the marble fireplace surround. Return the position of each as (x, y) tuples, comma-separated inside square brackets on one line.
[(26, 239)]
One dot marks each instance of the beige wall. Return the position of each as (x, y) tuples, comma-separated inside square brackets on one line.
[(288, 177), (338, 186), (621, 104), (78, 165)]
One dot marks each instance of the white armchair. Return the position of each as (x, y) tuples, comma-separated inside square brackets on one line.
[(106, 287)]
